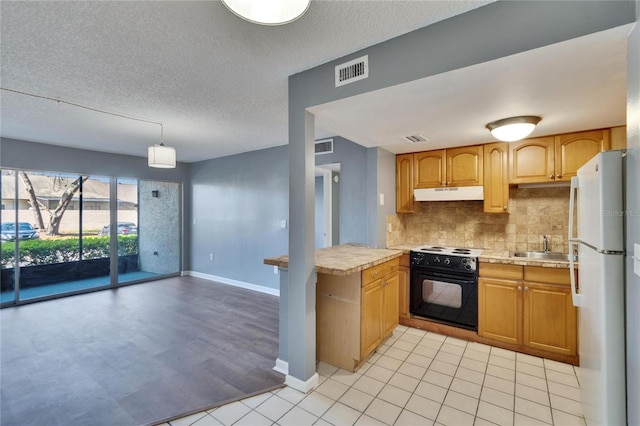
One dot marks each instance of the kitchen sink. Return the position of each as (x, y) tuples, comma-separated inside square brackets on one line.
[(542, 255)]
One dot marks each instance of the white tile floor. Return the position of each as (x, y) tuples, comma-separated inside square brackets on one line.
[(420, 378)]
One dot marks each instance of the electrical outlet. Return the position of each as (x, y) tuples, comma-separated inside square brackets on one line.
[(211, 256), (381, 199), (195, 221)]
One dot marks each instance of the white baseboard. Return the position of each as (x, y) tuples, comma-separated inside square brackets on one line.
[(300, 385), (235, 283), (282, 366)]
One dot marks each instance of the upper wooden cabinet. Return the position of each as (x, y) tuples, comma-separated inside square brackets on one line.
[(554, 158), (464, 166), (573, 150), (429, 169), (496, 178), (618, 137), (450, 167), (404, 183), (531, 160)]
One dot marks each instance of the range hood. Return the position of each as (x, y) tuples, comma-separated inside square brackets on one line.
[(449, 194)]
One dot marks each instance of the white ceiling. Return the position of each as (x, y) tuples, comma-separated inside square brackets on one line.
[(579, 84), (219, 84)]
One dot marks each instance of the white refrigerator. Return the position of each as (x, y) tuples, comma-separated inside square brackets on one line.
[(598, 194)]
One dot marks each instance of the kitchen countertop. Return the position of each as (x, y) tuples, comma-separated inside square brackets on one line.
[(344, 259), (498, 256)]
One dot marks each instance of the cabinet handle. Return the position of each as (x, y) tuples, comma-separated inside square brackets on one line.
[(558, 176), (551, 176), (504, 207), (375, 274), (519, 288), (526, 289)]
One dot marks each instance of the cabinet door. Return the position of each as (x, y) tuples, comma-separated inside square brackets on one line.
[(464, 166), (429, 169), (500, 310), (404, 183), (403, 293), (575, 149), (618, 137), (371, 318), (496, 178), (532, 161), (549, 318), (390, 305)]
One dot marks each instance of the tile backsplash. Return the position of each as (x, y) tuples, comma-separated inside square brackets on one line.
[(534, 212)]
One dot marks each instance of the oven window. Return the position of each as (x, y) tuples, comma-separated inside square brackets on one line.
[(441, 293)]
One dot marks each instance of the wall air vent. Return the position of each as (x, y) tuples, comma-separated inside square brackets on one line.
[(324, 146), (357, 69), (416, 138)]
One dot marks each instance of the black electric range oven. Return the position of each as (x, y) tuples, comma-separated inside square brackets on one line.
[(444, 285)]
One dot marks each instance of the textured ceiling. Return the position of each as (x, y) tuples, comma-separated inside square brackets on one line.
[(216, 82)]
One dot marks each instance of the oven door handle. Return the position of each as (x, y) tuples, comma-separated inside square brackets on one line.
[(434, 276)]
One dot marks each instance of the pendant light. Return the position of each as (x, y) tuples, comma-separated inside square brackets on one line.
[(513, 128), (161, 156), (268, 12)]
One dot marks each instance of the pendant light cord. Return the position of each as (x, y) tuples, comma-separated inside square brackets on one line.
[(115, 114)]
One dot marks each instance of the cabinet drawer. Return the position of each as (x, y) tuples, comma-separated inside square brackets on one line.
[(539, 274), (404, 260), (501, 271), (376, 272)]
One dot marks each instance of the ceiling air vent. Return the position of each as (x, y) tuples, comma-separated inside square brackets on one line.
[(416, 138), (357, 69), (324, 146)]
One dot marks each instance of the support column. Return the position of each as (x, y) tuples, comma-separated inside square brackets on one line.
[(282, 363), (302, 276)]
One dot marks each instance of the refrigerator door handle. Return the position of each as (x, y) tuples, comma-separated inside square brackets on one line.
[(575, 297), (572, 207)]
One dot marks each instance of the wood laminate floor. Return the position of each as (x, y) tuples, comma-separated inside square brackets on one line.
[(136, 355)]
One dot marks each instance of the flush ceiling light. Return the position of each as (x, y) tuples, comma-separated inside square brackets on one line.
[(268, 12), (513, 128), (161, 156)]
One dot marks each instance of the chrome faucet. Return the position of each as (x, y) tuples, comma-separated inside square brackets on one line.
[(545, 243)]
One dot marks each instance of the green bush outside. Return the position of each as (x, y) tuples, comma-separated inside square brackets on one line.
[(44, 252)]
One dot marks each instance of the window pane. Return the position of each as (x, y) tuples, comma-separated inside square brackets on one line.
[(8, 213)]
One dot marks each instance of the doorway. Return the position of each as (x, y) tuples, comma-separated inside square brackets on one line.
[(327, 205)]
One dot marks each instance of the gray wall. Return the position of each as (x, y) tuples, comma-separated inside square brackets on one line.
[(381, 181), (319, 212), (387, 186), (159, 226), (633, 222), (353, 186), (335, 208), (238, 203)]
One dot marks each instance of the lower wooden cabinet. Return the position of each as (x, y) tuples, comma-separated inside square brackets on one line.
[(500, 310), (355, 313), (390, 304), (529, 307), (371, 317)]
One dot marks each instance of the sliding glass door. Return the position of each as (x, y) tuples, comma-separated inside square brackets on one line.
[(76, 233)]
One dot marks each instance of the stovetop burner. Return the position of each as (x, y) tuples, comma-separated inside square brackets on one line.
[(452, 251)]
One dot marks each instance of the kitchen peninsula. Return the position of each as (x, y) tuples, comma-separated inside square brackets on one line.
[(356, 301)]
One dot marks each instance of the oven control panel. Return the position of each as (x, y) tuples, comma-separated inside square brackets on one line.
[(443, 261)]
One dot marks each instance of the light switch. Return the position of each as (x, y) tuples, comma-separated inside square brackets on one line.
[(636, 259), (283, 224), (275, 269), (382, 199)]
